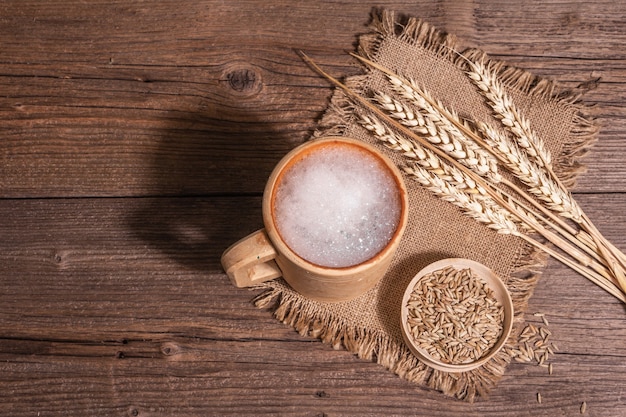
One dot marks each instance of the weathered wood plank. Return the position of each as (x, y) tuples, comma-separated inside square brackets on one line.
[(101, 258), (118, 306), (226, 378), (113, 305), (121, 101)]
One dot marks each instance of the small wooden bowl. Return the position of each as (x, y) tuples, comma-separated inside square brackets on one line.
[(500, 292)]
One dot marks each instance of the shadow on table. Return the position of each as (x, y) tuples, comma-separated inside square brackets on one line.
[(208, 177)]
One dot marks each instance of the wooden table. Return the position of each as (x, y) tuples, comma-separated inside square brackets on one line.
[(136, 138)]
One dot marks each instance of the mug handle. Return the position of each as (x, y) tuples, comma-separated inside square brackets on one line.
[(250, 261)]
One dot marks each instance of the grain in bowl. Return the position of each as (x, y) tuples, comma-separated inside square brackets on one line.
[(456, 314)]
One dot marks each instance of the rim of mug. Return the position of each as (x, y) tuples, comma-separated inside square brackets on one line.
[(289, 160)]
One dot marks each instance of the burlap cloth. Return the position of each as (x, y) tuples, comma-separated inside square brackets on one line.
[(369, 326)]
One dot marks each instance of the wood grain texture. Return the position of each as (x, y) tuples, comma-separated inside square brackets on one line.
[(135, 141), (148, 105), (112, 305)]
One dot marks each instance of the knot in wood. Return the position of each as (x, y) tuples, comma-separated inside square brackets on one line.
[(59, 259), (170, 349), (243, 79)]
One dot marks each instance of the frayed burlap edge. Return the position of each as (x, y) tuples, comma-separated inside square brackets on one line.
[(309, 320)]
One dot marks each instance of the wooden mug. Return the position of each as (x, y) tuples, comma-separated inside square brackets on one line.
[(264, 255)]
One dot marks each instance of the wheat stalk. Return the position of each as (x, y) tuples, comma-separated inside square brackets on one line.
[(445, 183), (597, 274), (538, 182), (488, 83), (425, 158), (428, 122), (458, 179), (505, 110), (410, 89), (596, 245)]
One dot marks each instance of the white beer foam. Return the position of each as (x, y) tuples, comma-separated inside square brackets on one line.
[(337, 207)]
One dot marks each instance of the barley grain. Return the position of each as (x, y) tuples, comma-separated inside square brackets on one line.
[(464, 320)]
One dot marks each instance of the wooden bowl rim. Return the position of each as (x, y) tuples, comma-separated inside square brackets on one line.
[(500, 291)]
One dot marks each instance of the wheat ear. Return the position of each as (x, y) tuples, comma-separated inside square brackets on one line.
[(601, 279), (411, 89), (449, 184), (600, 247), (538, 182), (429, 123), (406, 118), (504, 109), (488, 83), (425, 158)]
